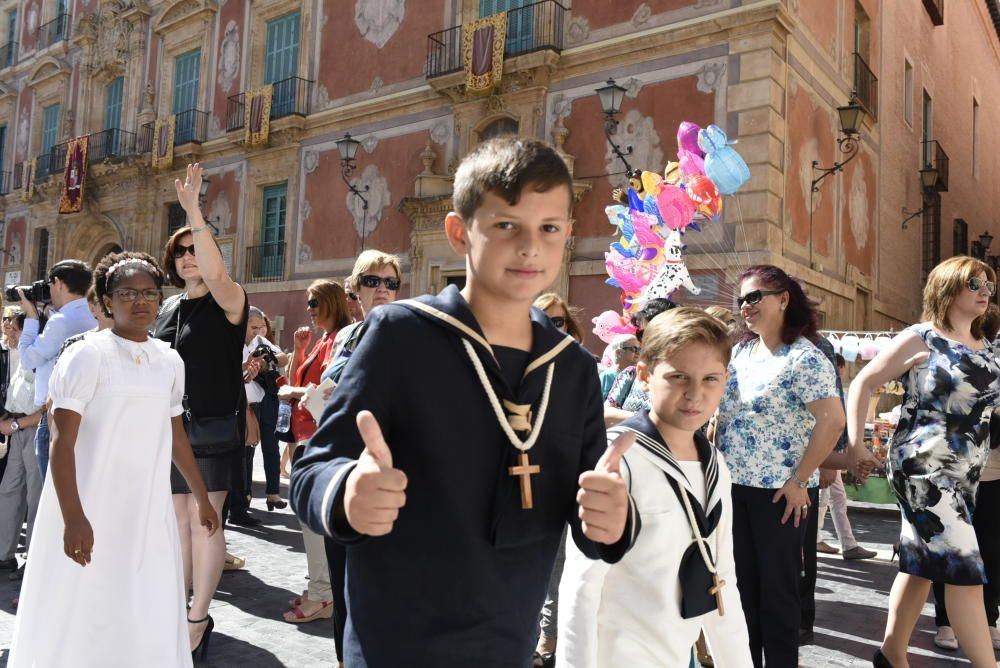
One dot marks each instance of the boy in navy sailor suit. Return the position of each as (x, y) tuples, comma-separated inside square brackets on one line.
[(465, 433)]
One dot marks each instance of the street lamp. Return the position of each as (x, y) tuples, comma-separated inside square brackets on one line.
[(929, 176), (611, 96), (202, 198), (348, 148)]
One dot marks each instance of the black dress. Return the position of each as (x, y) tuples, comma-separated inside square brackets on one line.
[(212, 350)]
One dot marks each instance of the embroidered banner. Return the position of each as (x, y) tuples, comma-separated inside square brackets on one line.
[(482, 52), (28, 179), (74, 175), (164, 131), (257, 115)]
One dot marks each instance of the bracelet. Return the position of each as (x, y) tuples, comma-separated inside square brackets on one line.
[(199, 229), (801, 483)]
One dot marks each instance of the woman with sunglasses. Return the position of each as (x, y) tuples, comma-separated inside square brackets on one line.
[(375, 280), (206, 325), (562, 315), (951, 379), (327, 308), (779, 418)]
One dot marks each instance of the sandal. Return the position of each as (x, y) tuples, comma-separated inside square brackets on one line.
[(296, 602), (234, 563), (543, 659), (299, 617)]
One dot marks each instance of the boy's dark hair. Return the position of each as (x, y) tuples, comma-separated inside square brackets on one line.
[(653, 308), (140, 263), (841, 362), (505, 166), (74, 273)]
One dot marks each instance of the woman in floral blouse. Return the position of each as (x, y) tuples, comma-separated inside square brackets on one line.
[(779, 419)]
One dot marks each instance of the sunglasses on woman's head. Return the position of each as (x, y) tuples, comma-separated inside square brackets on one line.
[(370, 281), (558, 321), (754, 296), (976, 284), (181, 249), (312, 303)]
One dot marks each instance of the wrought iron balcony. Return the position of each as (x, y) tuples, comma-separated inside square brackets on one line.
[(935, 9), (110, 144), (51, 162), (18, 177), (534, 27), (144, 142), (54, 31), (935, 158), (8, 55), (265, 263), (865, 86), (5, 183), (191, 126), (290, 97)]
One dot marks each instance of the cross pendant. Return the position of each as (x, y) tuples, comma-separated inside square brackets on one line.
[(525, 470), (716, 589)]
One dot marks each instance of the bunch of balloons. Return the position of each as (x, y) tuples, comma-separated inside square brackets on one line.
[(645, 261)]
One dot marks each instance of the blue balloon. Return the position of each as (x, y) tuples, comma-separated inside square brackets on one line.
[(634, 201), (650, 206), (723, 165), (626, 252)]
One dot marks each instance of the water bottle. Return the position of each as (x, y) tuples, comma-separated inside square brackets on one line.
[(284, 416)]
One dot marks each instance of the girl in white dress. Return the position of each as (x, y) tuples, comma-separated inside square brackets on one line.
[(105, 584)]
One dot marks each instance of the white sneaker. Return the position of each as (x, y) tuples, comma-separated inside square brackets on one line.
[(995, 637), (945, 638)]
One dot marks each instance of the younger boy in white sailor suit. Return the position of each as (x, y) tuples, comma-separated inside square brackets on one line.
[(647, 610)]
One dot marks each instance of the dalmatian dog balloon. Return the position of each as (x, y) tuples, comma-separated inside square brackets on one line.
[(673, 274)]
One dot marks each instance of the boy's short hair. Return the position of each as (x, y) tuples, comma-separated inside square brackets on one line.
[(841, 360), (672, 330), (76, 274), (371, 260), (505, 166)]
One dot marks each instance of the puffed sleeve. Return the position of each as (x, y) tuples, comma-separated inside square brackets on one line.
[(75, 376), (177, 389)]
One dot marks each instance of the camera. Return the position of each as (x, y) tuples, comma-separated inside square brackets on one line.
[(39, 291), (264, 351)]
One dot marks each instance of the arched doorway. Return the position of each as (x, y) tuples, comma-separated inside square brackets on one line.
[(92, 240), (109, 248)]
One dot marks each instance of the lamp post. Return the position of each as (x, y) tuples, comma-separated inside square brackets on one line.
[(851, 117), (348, 148), (611, 96), (928, 182)]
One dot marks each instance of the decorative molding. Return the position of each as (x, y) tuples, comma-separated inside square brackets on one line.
[(378, 20), (305, 211), (184, 11), (440, 132), (376, 86), (323, 98), (704, 4), (639, 133), (710, 77), (632, 88), (378, 197), (310, 161), (578, 30), (858, 209), (48, 68), (642, 15), (370, 143), (229, 57), (305, 253)]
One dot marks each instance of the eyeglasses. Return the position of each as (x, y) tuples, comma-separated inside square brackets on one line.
[(976, 284), (181, 249), (353, 297), (754, 297), (130, 294), (632, 349), (312, 303), (558, 321), (370, 281)]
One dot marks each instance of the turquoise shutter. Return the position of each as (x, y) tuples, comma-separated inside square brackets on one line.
[(281, 62), (3, 146), (520, 25), (187, 75), (50, 128), (112, 116), (272, 231)]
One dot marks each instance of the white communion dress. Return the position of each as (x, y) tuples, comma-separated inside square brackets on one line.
[(127, 606)]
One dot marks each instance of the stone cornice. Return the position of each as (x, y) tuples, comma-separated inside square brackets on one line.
[(183, 12)]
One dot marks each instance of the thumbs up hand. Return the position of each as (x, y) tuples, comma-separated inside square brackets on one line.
[(603, 495), (375, 491)]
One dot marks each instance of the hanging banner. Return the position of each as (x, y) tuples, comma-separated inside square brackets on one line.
[(164, 131), (28, 179), (483, 44), (257, 115), (74, 175)]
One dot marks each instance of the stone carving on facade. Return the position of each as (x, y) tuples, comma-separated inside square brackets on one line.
[(305, 253), (323, 98), (857, 207), (703, 4), (639, 133), (378, 20), (221, 210), (632, 88), (305, 211), (378, 197), (578, 30), (22, 135), (440, 132), (642, 15), (376, 86), (15, 247), (370, 143), (32, 24), (710, 77), (229, 57), (148, 96), (310, 161)]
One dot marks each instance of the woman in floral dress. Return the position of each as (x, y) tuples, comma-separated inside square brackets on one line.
[(952, 383)]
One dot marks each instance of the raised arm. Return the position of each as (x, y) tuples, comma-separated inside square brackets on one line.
[(226, 292)]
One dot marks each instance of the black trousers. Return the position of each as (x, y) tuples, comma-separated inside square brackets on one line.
[(807, 584), (986, 521), (336, 559), (768, 566)]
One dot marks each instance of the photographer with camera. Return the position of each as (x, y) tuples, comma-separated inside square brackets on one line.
[(262, 361), (65, 288)]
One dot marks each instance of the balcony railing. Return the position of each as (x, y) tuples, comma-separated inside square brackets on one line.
[(530, 28), (144, 142), (291, 96), (109, 144), (51, 162), (8, 55), (265, 263), (18, 176), (935, 9), (934, 157), (54, 31), (5, 183), (191, 126), (865, 86)]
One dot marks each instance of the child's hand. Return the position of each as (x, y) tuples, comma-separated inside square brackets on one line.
[(78, 540), (603, 495), (375, 491)]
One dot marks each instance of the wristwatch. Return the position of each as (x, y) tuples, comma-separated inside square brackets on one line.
[(802, 484), (14, 426)]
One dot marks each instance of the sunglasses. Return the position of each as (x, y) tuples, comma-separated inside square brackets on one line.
[(130, 294), (755, 296), (312, 303), (558, 321), (180, 250), (632, 349), (976, 284), (370, 281), (353, 297)]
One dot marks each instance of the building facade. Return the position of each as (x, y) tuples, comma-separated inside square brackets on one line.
[(143, 78)]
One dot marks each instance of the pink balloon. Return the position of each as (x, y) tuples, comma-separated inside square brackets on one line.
[(691, 164), (676, 208), (687, 138)]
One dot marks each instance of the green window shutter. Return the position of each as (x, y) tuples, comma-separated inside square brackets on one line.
[(113, 104), (272, 232), (520, 25), (187, 76), (50, 128), (3, 145), (281, 62)]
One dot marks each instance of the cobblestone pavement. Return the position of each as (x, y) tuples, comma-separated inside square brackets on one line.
[(851, 601)]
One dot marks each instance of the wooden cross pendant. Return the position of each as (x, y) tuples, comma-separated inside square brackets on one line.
[(525, 469), (716, 589)]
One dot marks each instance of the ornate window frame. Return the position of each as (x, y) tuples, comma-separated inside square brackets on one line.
[(49, 79), (261, 13), (183, 27)]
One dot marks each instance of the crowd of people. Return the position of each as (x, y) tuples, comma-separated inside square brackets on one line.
[(474, 487)]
